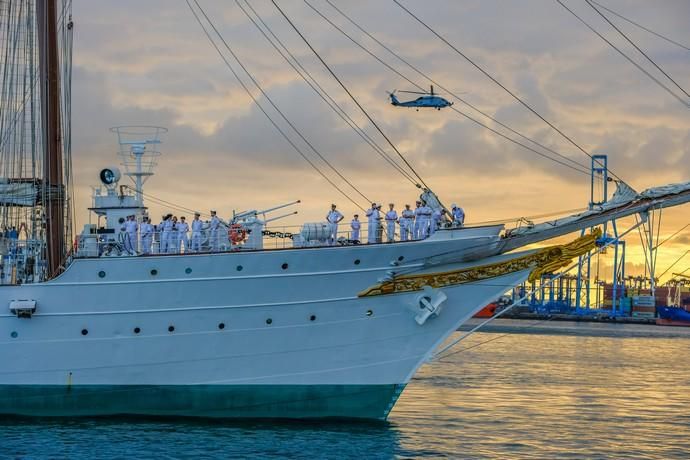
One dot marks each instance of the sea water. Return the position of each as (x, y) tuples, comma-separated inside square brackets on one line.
[(519, 390)]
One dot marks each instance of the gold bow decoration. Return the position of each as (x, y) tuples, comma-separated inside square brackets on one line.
[(546, 260)]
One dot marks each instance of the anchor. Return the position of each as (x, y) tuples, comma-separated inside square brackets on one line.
[(428, 304)]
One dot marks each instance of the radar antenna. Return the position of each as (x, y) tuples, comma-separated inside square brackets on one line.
[(139, 150)]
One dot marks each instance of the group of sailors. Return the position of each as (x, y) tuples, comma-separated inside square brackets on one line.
[(416, 224), (171, 235)]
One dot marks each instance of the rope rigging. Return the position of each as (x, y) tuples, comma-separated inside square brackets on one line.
[(22, 124), (589, 2), (673, 235), (255, 100), (318, 89), (502, 86), (333, 74), (628, 58), (493, 339), (576, 165), (646, 29)]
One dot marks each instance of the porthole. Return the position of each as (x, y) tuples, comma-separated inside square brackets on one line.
[(370, 312), (84, 332), (101, 274), (14, 334), (137, 330), (154, 272), (221, 326), (171, 328), (284, 266), (312, 318), (357, 261), (269, 321), (239, 268), (188, 270)]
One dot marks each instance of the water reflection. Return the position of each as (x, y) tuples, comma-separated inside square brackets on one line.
[(617, 392), (564, 395)]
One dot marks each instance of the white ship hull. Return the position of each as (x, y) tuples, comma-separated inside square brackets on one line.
[(197, 335)]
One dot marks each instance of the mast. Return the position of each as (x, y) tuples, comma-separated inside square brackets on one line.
[(53, 187)]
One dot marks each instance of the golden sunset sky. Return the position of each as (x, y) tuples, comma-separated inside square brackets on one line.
[(148, 62)]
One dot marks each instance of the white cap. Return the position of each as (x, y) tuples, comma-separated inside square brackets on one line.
[(453, 205)]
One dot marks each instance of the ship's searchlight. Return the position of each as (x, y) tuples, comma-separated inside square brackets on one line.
[(110, 176)]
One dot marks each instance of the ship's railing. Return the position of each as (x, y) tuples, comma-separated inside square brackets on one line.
[(240, 237), (21, 261)]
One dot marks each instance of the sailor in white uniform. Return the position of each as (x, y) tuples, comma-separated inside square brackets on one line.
[(174, 247), (458, 215), (166, 228), (373, 219), (215, 232), (131, 227), (146, 231), (182, 230), (436, 218), (418, 220), (406, 223), (426, 212), (355, 225), (333, 217), (391, 219), (157, 237), (197, 226)]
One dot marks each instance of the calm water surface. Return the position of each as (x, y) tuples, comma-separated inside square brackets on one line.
[(556, 390)]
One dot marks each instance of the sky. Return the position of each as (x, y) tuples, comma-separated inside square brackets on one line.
[(148, 62)]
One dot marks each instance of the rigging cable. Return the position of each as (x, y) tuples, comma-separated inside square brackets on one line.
[(672, 236), (268, 98), (642, 27), (639, 67), (246, 89), (637, 47), (164, 202), (351, 96), (439, 85), (673, 264), (493, 79), (581, 168), (323, 94), (493, 339), (681, 272)]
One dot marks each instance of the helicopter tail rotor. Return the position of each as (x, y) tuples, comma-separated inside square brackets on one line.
[(391, 95)]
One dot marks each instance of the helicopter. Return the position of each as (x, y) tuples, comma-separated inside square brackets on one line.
[(427, 100)]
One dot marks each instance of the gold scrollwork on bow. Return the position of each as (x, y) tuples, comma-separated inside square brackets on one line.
[(546, 260)]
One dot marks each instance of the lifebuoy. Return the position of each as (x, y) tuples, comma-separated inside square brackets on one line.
[(237, 233)]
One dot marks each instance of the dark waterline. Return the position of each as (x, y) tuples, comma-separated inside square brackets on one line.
[(562, 390)]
